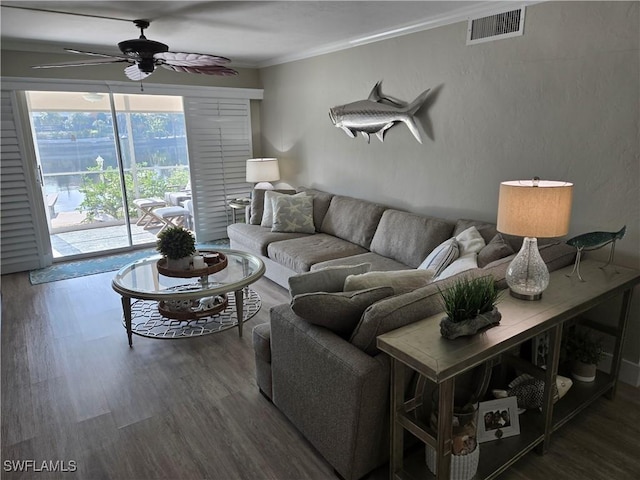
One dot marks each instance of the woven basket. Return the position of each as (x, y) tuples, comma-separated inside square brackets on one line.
[(463, 467)]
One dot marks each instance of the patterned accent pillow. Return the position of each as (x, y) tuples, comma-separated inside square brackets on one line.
[(267, 212), (293, 214), (339, 312), (441, 257)]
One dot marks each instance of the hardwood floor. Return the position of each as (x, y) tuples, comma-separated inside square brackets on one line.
[(74, 392)]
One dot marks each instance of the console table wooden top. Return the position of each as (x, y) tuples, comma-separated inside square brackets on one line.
[(421, 347)]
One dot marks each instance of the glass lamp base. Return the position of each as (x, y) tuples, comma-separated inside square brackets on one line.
[(528, 275)]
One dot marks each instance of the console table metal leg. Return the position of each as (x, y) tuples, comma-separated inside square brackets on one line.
[(397, 432), (445, 428), (126, 308), (239, 309)]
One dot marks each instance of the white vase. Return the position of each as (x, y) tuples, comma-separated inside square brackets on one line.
[(179, 263)]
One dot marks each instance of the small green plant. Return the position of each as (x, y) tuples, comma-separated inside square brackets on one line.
[(468, 298), (175, 243), (581, 345)]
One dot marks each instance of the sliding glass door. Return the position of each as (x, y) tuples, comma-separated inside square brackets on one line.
[(97, 153)]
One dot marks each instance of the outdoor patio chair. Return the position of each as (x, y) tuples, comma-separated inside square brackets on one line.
[(146, 206), (173, 216)]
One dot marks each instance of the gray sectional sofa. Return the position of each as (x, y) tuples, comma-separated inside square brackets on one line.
[(334, 387)]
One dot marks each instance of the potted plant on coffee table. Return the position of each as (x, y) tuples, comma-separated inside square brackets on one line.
[(470, 305), (585, 352), (177, 244)]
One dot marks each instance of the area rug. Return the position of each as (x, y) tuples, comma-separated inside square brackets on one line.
[(92, 266)]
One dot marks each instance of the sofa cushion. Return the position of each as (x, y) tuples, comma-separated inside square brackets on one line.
[(292, 213), (257, 204), (441, 257), (329, 279), (407, 237), (321, 201), (401, 281), (352, 220), (299, 254), (398, 311), (378, 262), (269, 197), (338, 311), (496, 249), (255, 238)]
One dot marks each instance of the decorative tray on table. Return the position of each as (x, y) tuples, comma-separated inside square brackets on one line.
[(215, 261)]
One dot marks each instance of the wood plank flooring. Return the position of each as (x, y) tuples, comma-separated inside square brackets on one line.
[(73, 391)]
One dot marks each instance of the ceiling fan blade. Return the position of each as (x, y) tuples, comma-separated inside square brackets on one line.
[(134, 73), (206, 70), (190, 59), (82, 63), (83, 52)]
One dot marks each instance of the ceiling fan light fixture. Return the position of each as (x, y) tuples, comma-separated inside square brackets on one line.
[(142, 47)]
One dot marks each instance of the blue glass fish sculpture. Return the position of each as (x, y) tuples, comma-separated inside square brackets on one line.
[(593, 241)]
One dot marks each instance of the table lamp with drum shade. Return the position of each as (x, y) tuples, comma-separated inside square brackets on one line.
[(532, 209), (262, 171)]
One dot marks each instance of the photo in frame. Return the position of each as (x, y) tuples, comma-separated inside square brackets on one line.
[(498, 419)]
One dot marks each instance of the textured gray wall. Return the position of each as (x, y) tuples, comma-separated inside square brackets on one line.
[(560, 102)]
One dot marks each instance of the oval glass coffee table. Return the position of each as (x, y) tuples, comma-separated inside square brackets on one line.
[(176, 307)]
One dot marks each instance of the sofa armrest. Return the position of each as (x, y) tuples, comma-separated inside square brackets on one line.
[(334, 393)]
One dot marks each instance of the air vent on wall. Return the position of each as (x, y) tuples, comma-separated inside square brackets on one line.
[(496, 26)]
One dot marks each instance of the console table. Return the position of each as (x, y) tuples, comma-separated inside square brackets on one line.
[(421, 348)]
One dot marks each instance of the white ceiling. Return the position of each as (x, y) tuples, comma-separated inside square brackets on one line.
[(252, 34)]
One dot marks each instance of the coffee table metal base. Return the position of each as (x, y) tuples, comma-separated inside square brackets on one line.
[(147, 321)]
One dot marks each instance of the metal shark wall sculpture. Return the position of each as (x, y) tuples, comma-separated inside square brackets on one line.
[(376, 115)]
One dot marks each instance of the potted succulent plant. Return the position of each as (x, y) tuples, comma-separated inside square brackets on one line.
[(470, 305), (177, 245), (585, 352)]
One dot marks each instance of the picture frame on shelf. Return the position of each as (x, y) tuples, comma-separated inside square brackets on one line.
[(498, 419)]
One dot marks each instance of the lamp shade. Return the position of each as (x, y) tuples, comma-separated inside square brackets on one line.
[(262, 170), (535, 208)]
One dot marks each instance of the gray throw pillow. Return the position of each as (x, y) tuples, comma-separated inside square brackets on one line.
[(329, 279), (496, 249), (293, 214), (402, 281), (339, 312)]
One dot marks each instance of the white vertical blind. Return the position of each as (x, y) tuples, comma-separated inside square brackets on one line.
[(219, 140), (21, 245)]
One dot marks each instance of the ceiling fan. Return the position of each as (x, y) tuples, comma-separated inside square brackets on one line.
[(145, 55)]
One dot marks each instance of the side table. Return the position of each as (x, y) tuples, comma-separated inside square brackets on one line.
[(421, 348), (237, 204)]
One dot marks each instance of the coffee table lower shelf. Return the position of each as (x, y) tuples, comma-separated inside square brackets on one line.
[(147, 321)]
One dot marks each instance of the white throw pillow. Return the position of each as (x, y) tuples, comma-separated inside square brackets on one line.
[(267, 212), (470, 241), (441, 256), (463, 263)]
